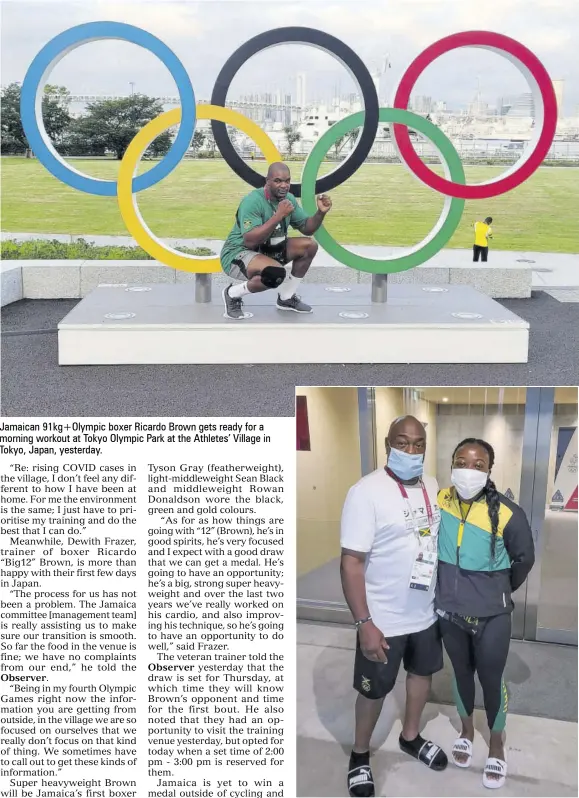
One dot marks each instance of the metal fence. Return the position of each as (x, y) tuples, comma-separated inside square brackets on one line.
[(475, 151), (470, 151)]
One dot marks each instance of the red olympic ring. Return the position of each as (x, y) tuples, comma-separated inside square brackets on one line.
[(545, 109)]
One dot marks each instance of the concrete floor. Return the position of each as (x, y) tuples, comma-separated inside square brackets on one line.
[(541, 752)]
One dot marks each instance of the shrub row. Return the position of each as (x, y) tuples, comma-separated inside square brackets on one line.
[(80, 250)]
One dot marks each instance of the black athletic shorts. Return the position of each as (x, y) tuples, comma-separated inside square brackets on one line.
[(421, 653), (279, 253)]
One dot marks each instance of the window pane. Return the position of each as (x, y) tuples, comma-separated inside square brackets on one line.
[(558, 594)]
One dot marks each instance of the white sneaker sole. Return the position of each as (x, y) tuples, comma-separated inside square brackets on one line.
[(294, 310)]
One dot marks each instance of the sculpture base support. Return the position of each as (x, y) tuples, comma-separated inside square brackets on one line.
[(379, 288), (162, 324), (203, 288)]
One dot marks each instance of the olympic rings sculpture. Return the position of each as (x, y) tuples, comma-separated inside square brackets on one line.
[(453, 186)]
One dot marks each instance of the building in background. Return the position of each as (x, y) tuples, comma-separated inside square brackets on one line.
[(421, 104), (559, 88), (301, 94), (522, 106)]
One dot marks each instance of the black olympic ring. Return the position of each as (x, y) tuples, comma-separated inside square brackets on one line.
[(339, 50)]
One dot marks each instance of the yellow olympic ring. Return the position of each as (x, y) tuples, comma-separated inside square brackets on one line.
[(130, 162)]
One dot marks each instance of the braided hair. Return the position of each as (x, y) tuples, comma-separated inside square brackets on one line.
[(490, 490)]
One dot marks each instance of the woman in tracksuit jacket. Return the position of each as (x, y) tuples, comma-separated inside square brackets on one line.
[(485, 551)]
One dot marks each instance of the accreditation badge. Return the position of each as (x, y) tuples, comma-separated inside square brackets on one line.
[(424, 565)]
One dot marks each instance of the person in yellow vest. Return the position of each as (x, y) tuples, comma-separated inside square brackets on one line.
[(482, 232)]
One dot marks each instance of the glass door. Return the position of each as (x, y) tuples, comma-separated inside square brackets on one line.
[(551, 594)]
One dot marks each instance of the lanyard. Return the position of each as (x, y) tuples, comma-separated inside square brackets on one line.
[(407, 500), (463, 518)]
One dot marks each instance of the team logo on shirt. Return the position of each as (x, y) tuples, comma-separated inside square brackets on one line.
[(366, 684), (247, 223)]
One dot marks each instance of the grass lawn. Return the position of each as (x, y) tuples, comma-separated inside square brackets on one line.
[(380, 204)]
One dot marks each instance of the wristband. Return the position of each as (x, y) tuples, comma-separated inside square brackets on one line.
[(358, 624)]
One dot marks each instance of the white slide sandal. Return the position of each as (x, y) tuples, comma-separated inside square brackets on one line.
[(462, 746), (497, 767)]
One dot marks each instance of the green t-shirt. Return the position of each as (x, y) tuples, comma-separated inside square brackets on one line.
[(256, 209)]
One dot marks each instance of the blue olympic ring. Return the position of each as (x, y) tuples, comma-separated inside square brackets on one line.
[(31, 104)]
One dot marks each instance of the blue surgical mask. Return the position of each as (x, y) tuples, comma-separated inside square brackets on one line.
[(405, 466)]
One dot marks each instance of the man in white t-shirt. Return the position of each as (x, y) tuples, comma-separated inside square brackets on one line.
[(389, 541)]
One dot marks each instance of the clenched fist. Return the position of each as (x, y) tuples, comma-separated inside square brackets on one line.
[(324, 203), (284, 209)]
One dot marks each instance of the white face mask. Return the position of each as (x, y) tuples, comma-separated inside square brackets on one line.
[(468, 481)]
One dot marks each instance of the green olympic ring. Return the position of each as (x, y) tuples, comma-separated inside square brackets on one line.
[(442, 231)]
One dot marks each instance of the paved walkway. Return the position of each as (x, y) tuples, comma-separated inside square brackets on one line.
[(33, 384), (550, 270)]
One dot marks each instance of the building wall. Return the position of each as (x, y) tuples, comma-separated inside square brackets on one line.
[(501, 427), (325, 474), (559, 87), (394, 402)]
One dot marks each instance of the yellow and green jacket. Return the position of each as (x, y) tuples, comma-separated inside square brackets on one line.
[(469, 582)]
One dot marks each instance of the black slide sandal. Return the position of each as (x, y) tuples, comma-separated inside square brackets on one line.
[(361, 782), (425, 751)]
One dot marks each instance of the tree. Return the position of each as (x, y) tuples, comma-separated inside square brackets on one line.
[(292, 137), (60, 95), (198, 139), (233, 134), (352, 136), (341, 142), (161, 144), (210, 141), (338, 144), (111, 125), (55, 115), (74, 143)]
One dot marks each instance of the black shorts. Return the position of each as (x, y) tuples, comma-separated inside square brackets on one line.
[(279, 253), (421, 653)]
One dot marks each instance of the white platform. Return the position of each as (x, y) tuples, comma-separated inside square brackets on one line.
[(161, 324)]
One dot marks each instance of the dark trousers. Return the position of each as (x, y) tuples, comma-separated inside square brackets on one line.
[(482, 251), (485, 654)]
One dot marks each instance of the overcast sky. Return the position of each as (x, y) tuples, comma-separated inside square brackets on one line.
[(203, 34)]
